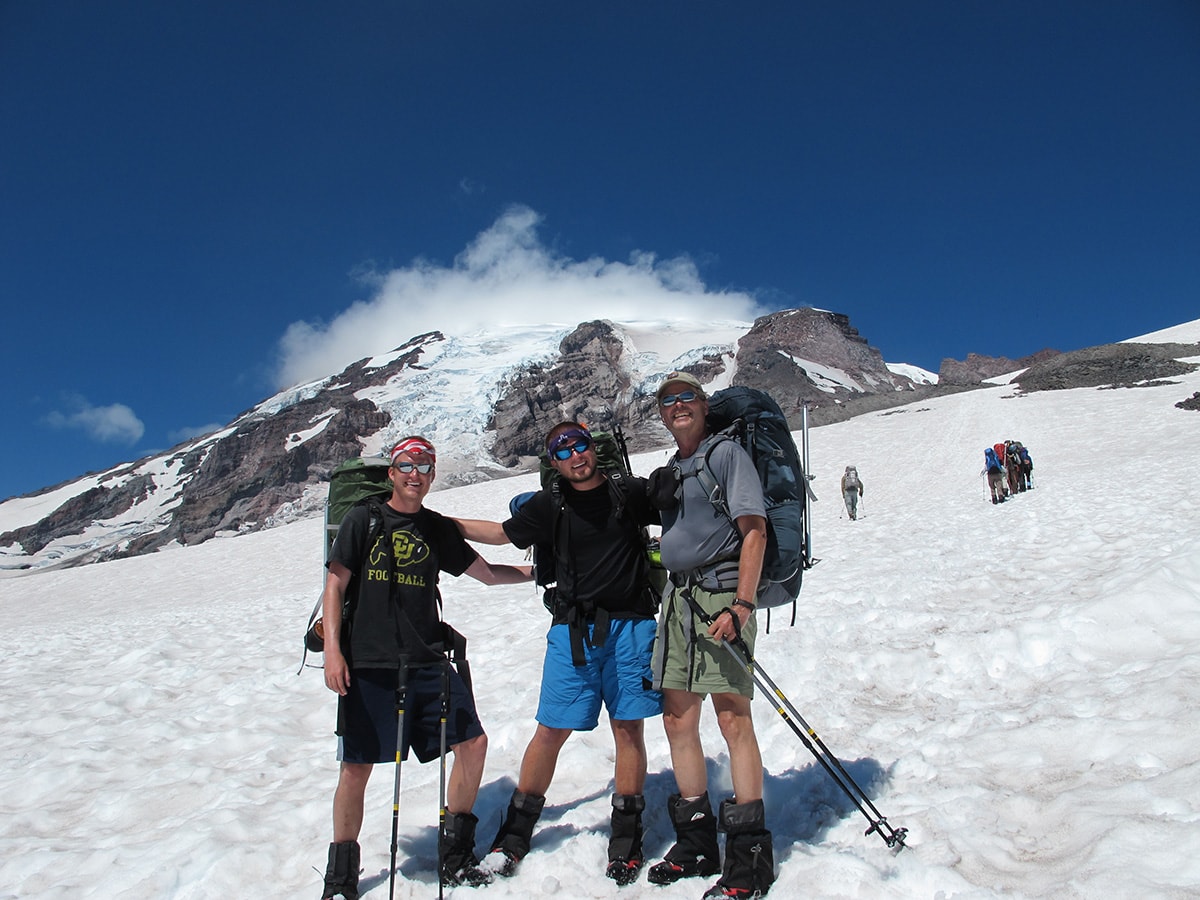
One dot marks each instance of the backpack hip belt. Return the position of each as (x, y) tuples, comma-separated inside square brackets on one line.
[(718, 576)]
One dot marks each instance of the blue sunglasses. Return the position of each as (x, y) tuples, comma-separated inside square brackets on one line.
[(672, 399), (569, 444)]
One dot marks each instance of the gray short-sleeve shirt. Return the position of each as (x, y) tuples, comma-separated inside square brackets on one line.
[(696, 534)]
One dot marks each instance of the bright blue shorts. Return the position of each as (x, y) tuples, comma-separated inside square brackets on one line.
[(617, 675)]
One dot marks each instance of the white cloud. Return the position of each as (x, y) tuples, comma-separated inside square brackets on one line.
[(505, 276), (112, 424)]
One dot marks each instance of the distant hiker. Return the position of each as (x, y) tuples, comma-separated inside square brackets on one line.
[(1012, 468), (599, 644), (715, 564), (393, 588), (995, 474), (852, 489), (1026, 466)]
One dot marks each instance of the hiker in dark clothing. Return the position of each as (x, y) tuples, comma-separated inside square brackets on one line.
[(393, 584), (715, 563), (1012, 468), (1024, 465), (852, 490), (599, 645)]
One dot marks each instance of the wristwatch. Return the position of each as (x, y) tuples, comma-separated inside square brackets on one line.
[(740, 602)]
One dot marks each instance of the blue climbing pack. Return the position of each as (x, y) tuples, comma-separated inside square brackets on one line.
[(753, 419)]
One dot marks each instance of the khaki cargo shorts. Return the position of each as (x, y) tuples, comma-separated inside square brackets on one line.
[(687, 659)]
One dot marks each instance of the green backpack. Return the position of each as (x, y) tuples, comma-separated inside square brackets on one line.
[(361, 479), (352, 482)]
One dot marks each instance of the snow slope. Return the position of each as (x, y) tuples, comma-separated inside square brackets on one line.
[(1017, 685)]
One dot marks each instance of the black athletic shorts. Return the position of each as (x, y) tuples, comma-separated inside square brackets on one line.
[(367, 715)]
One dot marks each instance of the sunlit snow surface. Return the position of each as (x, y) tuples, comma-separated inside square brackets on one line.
[(1017, 685)]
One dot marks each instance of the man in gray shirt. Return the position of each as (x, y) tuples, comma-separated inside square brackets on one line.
[(715, 563)]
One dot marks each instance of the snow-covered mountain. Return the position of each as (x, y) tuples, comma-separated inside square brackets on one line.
[(1017, 685), (484, 398)]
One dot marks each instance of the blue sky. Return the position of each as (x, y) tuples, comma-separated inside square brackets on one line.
[(201, 201)]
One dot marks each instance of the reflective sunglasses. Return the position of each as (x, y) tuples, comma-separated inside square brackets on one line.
[(569, 442), (672, 399), (406, 467), (564, 452)]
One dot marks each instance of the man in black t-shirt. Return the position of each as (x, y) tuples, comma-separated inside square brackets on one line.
[(599, 646), (393, 585)]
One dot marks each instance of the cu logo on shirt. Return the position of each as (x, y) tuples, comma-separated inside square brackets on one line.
[(408, 549)]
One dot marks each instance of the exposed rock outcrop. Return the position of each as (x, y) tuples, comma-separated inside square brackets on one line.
[(976, 369), (591, 381), (810, 355), (1110, 365), (98, 503)]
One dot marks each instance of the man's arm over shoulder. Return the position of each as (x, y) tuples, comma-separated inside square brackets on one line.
[(481, 531), (497, 573)]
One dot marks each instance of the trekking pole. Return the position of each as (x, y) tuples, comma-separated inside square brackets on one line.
[(401, 691), (442, 778), (619, 436), (893, 837), (806, 497)]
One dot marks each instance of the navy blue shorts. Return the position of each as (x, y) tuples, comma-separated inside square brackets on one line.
[(367, 715)]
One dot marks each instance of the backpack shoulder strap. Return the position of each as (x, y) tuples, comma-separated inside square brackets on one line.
[(558, 505), (375, 519), (708, 482), (618, 489)]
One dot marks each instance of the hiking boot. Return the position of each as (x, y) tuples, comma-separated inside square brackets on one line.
[(460, 865), (500, 862), (749, 858), (341, 871), (695, 851), (716, 892), (512, 840), (625, 857), (624, 871)]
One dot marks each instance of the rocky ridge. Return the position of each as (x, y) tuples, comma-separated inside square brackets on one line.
[(271, 462), (976, 369)]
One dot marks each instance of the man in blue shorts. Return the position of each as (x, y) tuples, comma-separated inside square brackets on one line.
[(599, 645), (386, 559), (715, 563)]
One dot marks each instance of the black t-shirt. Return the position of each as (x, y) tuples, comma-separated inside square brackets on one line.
[(600, 561), (399, 573)]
